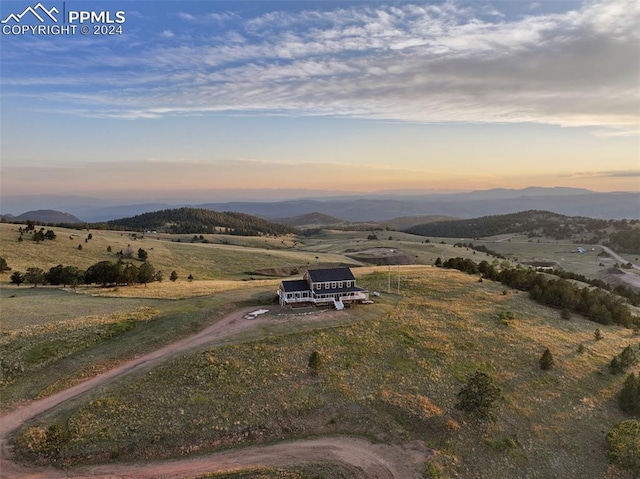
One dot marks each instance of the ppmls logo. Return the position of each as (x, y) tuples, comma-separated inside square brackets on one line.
[(39, 12), (39, 20)]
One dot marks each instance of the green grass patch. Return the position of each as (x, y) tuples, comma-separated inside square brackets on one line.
[(33, 348)]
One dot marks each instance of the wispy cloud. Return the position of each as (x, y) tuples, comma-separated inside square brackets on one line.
[(440, 62), (607, 174)]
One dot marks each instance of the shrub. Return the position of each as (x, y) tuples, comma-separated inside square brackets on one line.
[(315, 363), (624, 445), (478, 396), (506, 317), (623, 361), (597, 335)]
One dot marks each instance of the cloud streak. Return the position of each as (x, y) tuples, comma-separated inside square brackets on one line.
[(420, 63)]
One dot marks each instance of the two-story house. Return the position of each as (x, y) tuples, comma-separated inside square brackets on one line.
[(335, 286)]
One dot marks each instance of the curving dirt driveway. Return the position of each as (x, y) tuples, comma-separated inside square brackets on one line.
[(374, 460)]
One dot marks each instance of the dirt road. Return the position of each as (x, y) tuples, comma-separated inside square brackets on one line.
[(375, 461)]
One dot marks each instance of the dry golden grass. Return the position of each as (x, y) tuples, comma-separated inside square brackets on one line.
[(178, 289), (188, 289)]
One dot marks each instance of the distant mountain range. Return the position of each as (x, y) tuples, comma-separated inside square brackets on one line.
[(375, 207)]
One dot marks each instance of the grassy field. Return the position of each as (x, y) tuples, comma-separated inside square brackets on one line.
[(341, 242), (51, 338), (391, 372), (213, 260), (226, 257)]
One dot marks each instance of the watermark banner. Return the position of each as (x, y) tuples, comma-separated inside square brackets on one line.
[(60, 18)]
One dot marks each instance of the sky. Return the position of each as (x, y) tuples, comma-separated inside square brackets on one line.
[(232, 99)]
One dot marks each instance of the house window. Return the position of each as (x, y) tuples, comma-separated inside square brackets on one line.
[(340, 284), (319, 285), (333, 285)]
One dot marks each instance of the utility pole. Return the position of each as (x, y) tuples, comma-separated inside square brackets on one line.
[(398, 280), (389, 281)]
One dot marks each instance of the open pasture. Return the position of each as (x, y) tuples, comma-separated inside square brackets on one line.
[(344, 242), (392, 374), (213, 260)]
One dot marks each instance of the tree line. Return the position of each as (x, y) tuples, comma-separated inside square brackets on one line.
[(621, 290), (103, 272), (596, 304)]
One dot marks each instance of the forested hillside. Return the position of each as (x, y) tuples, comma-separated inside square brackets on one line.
[(536, 223), (199, 221)]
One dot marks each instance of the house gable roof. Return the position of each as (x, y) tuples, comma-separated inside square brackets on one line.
[(295, 285), (330, 274)]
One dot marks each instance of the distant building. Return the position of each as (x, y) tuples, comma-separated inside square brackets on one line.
[(335, 286), (580, 250)]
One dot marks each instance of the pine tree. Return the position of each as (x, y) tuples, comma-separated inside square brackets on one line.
[(546, 361), (34, 275), (17, 278), (3, 265), (146, 273), (173, 276), (629, 398), (142, 255)]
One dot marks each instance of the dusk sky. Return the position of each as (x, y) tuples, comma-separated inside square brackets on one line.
[(196, 96)]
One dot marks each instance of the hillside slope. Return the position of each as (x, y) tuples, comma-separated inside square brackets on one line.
[(391, 370), (198, 221), (532, 222), (46, 216)]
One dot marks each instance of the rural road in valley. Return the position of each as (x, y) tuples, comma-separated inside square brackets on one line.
[(377, 461)]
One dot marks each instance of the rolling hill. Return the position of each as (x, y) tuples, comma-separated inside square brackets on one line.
[(199, 221), (45, 216), (310, 219), (533, 222)]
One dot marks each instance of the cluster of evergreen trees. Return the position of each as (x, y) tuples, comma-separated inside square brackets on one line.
[(198, 220), (596, 304), (621, 290), (626, 241), (103, 272)]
